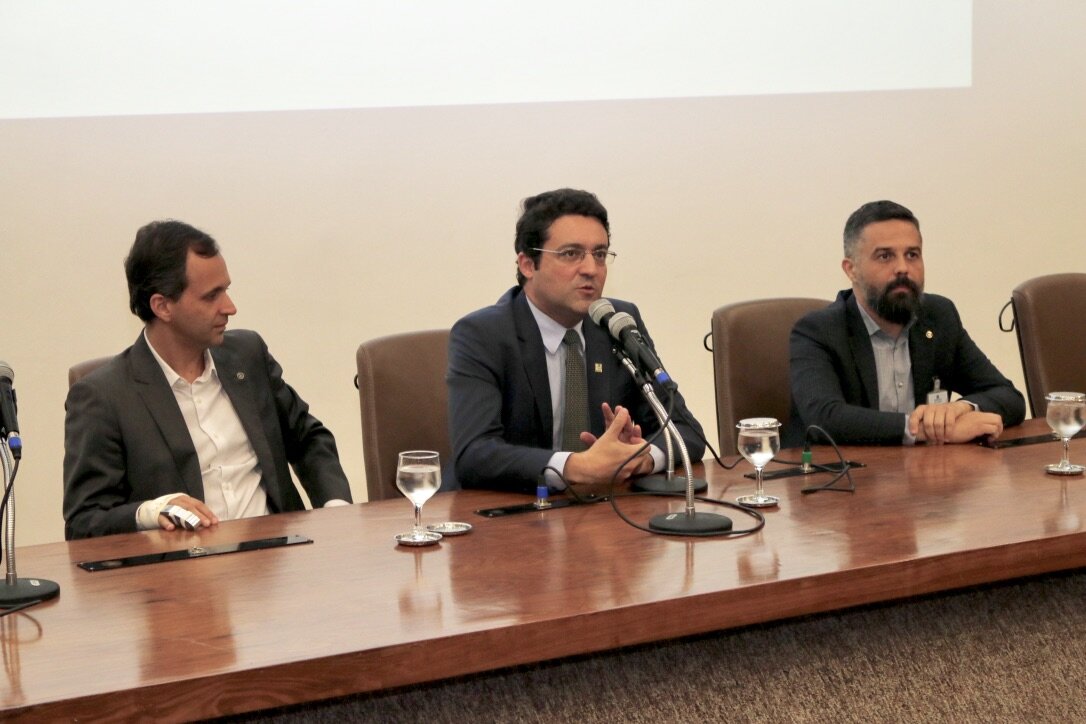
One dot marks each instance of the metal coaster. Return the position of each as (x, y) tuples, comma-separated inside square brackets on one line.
[(421, 539), (755, 501), (449, 528), (1056, 469)]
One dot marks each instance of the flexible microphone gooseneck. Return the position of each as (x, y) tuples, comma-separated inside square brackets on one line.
[(691, 521)]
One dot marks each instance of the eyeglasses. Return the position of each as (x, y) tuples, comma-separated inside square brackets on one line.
[(575, 255)]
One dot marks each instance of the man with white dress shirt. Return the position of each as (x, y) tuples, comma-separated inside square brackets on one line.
[(190, 420)]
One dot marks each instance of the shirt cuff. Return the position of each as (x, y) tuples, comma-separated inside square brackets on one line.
[(335, 503), (908, 438), (554, 481), (659, 459)]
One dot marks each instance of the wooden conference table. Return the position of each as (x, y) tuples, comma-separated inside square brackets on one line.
[(352, 612)]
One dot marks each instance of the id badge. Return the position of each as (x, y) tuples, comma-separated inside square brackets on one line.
[(938, 396)]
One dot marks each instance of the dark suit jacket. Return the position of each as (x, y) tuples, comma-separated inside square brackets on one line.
[(125, 440), (500, 420), (835, 386)]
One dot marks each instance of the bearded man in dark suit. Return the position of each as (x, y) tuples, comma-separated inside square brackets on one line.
[(879, 364)]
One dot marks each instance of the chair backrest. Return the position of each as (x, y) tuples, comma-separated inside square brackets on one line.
[(1050, 316), (750, 362), (404, 401), (78, 371)]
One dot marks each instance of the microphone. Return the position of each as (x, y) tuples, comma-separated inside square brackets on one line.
[(623, 329), (9, 423), (15, 592)]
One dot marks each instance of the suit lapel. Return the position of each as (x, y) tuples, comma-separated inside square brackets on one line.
[(860, 344), (239, 388), (535, 365), (151, 386), (922, 353)]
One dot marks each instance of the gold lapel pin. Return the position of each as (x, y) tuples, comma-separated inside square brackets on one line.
[(241, 375), (929, 334), (598, 368)]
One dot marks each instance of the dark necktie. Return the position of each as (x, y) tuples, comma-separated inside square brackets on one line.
[(575, 410)]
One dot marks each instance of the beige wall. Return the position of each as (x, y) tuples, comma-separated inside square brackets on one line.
[(341, 226)]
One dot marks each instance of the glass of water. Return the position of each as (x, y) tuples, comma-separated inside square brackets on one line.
[(1066, 415), (418, 476), (759, 440)]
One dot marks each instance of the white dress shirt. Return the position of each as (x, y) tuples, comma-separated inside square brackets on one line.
[(228, 464)]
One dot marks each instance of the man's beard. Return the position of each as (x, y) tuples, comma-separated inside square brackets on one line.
[(894, 307)]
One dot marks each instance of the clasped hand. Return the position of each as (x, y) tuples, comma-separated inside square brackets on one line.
[(953, 422), (605, 453)]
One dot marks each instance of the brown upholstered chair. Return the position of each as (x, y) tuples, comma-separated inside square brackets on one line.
[(78, 371), (404, 401), (1050, 316), (750, 361)]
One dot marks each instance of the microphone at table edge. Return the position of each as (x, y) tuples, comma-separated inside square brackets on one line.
[(623, 329), (9, 423)]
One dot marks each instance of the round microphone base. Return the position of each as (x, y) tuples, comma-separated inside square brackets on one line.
[(25, 590), (692, 523), (664, 484)]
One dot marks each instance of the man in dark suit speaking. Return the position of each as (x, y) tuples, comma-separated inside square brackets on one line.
[(879, 364), (190, 415), (532, 380)]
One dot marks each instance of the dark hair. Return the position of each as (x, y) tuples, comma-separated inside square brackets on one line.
[(871, 213), (539, 212), (156, 262)]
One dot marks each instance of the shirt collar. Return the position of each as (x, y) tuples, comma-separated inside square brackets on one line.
[(553, 333), (171, 376), (873, 327)]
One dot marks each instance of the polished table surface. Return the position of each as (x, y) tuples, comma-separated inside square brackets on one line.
[(354, 612)]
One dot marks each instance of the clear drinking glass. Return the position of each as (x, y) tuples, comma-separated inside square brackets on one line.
[(1066, 414), (418, 476), (759, 441)]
